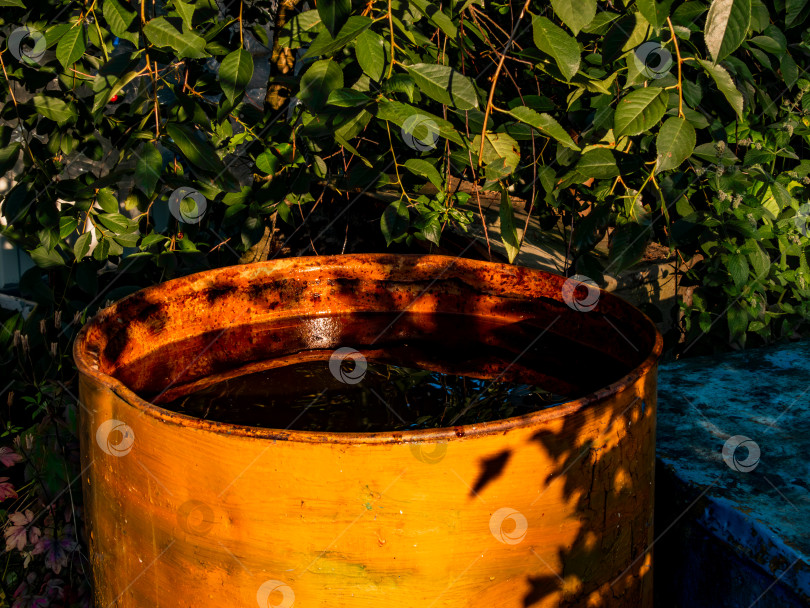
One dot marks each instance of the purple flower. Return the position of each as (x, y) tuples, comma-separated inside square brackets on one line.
[(56, 550)]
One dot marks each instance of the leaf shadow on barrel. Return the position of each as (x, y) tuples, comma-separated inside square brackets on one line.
[(600, 565)]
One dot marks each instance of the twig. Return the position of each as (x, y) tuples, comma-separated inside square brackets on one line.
[(495, 81), (678, 55)]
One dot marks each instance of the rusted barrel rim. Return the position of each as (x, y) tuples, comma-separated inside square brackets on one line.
[(83, 359)]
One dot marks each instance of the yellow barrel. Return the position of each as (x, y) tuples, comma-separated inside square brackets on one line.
[(553, 508)]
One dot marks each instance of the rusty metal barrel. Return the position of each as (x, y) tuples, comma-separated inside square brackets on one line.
[(552, 508)]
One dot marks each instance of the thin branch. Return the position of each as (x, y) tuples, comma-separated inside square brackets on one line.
[(495, 81), (678, 55)]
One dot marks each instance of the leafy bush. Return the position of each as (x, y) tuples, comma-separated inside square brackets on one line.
[(159, 138)]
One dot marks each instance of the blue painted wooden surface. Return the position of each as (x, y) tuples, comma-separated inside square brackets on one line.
[(734, 526)]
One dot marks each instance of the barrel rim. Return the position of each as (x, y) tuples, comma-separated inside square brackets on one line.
[(82, 358)]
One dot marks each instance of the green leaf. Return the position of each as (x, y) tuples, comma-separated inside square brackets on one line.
[(793, 8), (726, 85), (789, 69), (441, 20), (774, 42), (115, 222), (45, 258), (432, 231), (370, 50), (399, 113), (334, 13), (726, 26), (8, 157), (128, 240), (325, 44), (738, 269), (318, 82), (299, 27), (638, 111), (235, 73), (347, 98), (509, 235), (151, 239), (545, 124), (423, 168), (267, 162), (553, 41), (200, 153), (624, 35), (601, 23), (760, 262), (445, 85), (395, 221), (71, 46), (737, 320), (55, 109), (161, 33), (119, 19), (499, 147), (107, 200), (186, 12), (576, 14), (12, 3), (675, 143), (67, 225), (598, 163), (102, 249), (148, 169), (403, 83), (758, 157), (654, 12), (108, 84), (354, 125)]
